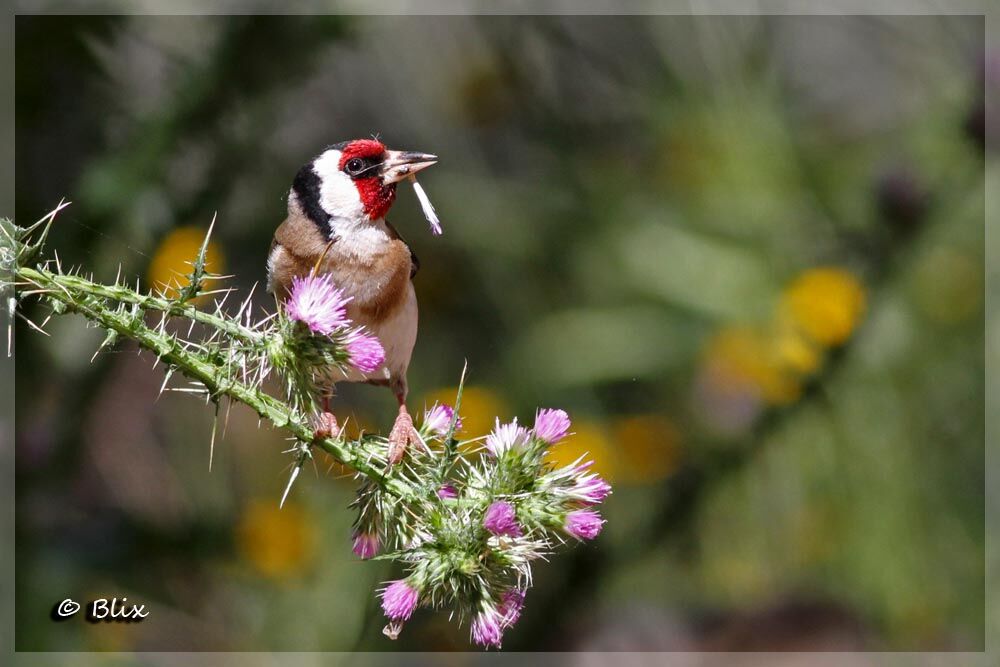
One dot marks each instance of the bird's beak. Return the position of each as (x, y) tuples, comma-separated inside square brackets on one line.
[(401, 164)]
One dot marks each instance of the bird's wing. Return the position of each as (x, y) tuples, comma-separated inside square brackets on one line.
[(300, 237), (296, 247), (414, 261)]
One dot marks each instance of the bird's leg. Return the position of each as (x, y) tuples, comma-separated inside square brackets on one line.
[(402, 434), (326, 423)]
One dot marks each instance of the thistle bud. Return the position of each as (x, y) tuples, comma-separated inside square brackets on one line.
[(399, 599), (506, 437), (366, 545), (583, 524), (319, 305), (551, 426), (500, 519), (487, 627)]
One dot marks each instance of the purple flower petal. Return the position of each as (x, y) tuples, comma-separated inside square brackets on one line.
[(551, 425), (447, 492), (510, 606), (487, 627), (501, 519), (365, 352), (506, 437), (399, 600), (584, 524), (366, 545), (591, 489), (438, 419), (319, 305)]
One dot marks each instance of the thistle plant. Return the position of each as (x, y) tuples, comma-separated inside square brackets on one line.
[(465, 520)]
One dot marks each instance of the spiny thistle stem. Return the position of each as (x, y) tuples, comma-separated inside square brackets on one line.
[(450, 453), (84, 297), (102, 305), (53, 282), (196, 279)]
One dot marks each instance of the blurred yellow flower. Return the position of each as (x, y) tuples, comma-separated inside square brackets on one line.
[(648, 448), (278, 542), (825, 303), (740, 356), (590, 438), (173, 258), (479, 410), (744, 367), (794, 351)]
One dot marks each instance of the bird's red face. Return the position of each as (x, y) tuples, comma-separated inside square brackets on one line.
[(362, 159), (354, 182)]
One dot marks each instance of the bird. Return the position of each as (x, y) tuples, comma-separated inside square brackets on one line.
[(336, 225)]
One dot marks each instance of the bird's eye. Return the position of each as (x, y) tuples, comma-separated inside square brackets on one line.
[(355, 165)]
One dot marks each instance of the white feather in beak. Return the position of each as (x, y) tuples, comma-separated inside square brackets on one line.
[(425, 204)]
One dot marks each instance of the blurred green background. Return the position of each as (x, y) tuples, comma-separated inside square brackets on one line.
[(745, 254)]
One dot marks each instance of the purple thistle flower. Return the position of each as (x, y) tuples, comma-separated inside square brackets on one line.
[(319, 305), (364, 352), (505, 437), (438, 419), (500, 519), (399, 600), (591, 489), (551, 425), (487, 627), (366, 545), (447, 492), (584, 524), (511, 605)]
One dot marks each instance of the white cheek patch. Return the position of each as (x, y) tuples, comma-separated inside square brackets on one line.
[(338, 195)]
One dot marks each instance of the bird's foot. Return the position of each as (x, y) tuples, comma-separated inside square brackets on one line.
[(401, 436), (326, 426)]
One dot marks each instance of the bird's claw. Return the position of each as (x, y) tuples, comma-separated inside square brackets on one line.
[(326, 426), (402, 435)]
